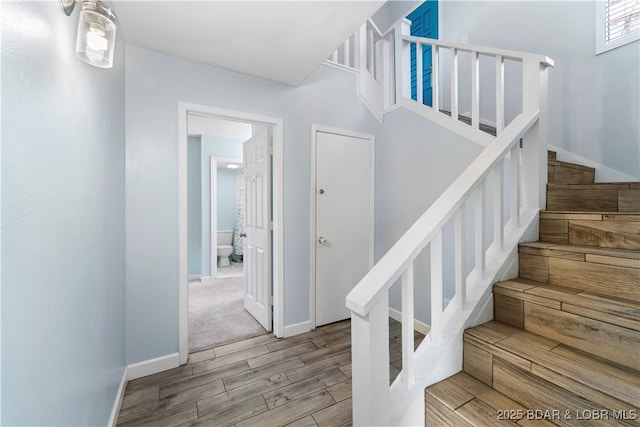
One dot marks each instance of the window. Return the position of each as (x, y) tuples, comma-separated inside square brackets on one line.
[(617, 23)]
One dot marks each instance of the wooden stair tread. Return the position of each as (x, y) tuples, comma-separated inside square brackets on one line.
[(548, 248), (628, 310), (608, 327), (467, 401), (561, 163), (604, 196), (597, 186), (591, 215), (600, 271), (531, 389), (572, 369), (617, 230)]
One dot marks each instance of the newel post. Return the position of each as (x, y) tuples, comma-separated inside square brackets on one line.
[(370, 365), (403, 61), (535, 141)]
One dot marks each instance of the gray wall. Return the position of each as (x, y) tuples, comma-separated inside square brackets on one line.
[(194, 200), (63, 278), (226, 198), (327, 97), (594, 101)]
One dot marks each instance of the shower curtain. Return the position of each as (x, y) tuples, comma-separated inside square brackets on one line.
[(238, 241)]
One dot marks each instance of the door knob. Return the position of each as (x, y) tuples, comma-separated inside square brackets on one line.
[(242, 235), (322, 240), (321, 191)]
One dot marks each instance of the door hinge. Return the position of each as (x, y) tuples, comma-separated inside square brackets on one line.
[(271, 225), (271, 300), (270, 150), (521, 140)]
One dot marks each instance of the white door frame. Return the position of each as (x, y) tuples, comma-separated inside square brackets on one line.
[(213, 216), (312, 191), (185, 108), (213, 208)]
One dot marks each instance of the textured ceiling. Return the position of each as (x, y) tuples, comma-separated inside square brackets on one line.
[(283, 41)]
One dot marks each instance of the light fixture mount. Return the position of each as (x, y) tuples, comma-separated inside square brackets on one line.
[(67, 6)]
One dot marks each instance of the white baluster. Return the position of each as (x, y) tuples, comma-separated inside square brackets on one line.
[(499, 94), (454, 83), (407, 327), (403, 61), (534, 152), (436, 288), (371, 52), (334, 56), (515, 186), (419, 75), (498, 205), (479, 226), (435, 82), (370, 365), (459, 245), (475, 90), (362, 50), (387, 73), (347, 53), (356, 49)]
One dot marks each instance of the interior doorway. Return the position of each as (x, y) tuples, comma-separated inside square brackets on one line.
[(216, 276)]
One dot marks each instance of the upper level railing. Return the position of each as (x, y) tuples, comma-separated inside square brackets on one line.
[(472, 86), (491, 204)]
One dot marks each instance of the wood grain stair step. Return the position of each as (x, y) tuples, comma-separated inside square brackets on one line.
[(610, 197), (465, 401), (526, 357), (600, 271), (605, 327), (619, 230), (511, 296), (569, 173), (551, 155)]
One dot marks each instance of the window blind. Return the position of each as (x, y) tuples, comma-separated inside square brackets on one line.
[(622, 17)]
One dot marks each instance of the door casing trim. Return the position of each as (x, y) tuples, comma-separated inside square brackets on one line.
[(277, 124), (315, 129)]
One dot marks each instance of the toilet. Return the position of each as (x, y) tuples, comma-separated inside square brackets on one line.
[(225, 240)]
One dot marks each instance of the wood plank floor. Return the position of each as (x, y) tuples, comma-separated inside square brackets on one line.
[(304, 380)]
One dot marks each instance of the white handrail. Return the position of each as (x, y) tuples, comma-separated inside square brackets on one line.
[(507, 54), (386, 271)]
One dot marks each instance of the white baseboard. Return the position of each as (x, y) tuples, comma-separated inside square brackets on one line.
[(113, 419), (297, 328), (603, 173), (153, 366), (194, 277), (419, 326)]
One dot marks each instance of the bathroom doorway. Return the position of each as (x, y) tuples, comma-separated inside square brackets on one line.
[(216, 288)]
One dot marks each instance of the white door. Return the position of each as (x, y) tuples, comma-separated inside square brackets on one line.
[(343, 220), (257, 252)]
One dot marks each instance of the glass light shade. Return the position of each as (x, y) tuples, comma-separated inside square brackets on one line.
[(96, 38)]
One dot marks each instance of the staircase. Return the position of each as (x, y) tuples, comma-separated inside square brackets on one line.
[(564, 345)]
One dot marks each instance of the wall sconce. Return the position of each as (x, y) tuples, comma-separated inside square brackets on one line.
[(95, 42)]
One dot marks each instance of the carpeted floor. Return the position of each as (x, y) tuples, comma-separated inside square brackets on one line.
[(216, 314), (235, 269)]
